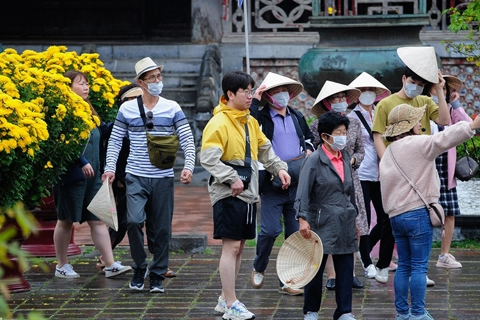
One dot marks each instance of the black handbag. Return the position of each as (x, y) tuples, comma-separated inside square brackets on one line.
[(466, 168)]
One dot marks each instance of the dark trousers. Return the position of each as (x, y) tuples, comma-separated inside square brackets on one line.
[(343, 264), (274, 205), (382, 231)]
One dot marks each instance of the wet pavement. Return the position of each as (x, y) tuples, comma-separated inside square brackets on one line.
[(193, 293)]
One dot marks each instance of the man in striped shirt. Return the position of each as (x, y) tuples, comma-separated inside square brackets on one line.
[(149, 189)]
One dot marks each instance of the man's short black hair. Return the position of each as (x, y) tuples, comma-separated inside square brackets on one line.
[(330, 121), (409, 73), (235, 80)]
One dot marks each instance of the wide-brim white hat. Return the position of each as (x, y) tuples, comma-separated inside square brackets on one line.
[(421, 60), (144, 65), (132, 93), (329, 89), (273, 80), (299, 259), (365, 80), (453, 82)]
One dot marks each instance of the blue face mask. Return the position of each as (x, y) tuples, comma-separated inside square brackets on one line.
[(435, 99), (339, 107), (155, 88), (412, 90), (280, 100), (339, 142)]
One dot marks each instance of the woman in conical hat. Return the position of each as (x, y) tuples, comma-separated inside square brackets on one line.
[(372, 90), (338, 97), (445, 164)]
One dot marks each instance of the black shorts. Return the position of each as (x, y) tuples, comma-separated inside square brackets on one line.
[(234, 219)]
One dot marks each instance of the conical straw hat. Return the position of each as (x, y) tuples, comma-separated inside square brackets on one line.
[(421, 60), (299, 259), (329, 89), (273, 80), (103, 205), (453, 82), (365, 80)]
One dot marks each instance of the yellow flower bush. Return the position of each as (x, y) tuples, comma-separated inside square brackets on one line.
[(43, 123)]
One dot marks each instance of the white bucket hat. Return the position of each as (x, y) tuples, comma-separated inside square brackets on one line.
[(144, 65), (421, 60), (329, 89), (132, 93), (299, 259), (365, 80), (273, 80)]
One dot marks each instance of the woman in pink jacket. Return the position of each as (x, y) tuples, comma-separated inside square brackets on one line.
[(445, 164)]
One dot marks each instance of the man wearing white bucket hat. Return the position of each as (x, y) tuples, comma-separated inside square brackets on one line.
[(149, 187), (288, 131), (372, 90), (421, 68)]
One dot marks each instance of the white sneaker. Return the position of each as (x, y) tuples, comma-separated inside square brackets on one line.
[(347, 316), (430, 282), (448, 261), (370, 272), (382, 275), (311, 316), (238, 311), (116, 269), (66, 272), (257, 279), (221, 306)]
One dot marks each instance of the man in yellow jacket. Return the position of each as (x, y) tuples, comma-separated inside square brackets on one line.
[(232, 146)]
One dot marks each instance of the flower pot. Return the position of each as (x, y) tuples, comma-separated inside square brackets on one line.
[(13, 276)]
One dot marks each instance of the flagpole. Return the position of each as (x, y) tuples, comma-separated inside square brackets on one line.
[(245, 15)]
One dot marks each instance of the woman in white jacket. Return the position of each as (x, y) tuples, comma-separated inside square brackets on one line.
[(415, 154)]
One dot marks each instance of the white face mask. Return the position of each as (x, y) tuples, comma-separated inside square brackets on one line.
[(339, 107), (412, 90), (339, 142), (435, 99), (155, 88), (280, 100), (367, 98)]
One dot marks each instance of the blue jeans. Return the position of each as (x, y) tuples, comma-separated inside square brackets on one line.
[(413, 235)]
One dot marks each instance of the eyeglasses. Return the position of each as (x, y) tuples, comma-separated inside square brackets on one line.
[(338, 97), (153, 78), (248, 93), (149, 124)]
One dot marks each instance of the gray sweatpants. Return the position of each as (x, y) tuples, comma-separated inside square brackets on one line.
[(150, 201)]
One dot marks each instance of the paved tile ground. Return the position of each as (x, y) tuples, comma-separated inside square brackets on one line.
[(193, 294)]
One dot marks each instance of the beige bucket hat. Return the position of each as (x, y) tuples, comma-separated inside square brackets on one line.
[(273, 80), (421, 60), (453, 82), (402, 118), (132, 93), (365, 80), (299, 259), (329, 89), (144, 65)]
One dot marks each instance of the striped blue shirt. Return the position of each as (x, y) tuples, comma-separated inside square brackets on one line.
[(168, 119)]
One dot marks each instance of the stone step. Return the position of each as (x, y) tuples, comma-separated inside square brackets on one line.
[(172, 65)]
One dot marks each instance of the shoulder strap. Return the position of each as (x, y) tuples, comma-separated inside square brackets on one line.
[(413, 185), (248, 156), (299, 131), (365, 124), (142, 111)]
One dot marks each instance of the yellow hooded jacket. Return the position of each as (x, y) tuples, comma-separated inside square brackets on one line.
[(224, 140)]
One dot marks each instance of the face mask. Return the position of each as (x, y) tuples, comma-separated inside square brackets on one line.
[(435, 99), (367, 98), (339, 142), (412, 90), (340, 106), (155, 88), (280, 100)]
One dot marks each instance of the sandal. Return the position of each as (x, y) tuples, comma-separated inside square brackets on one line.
[(100, 265), (170, 274)]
